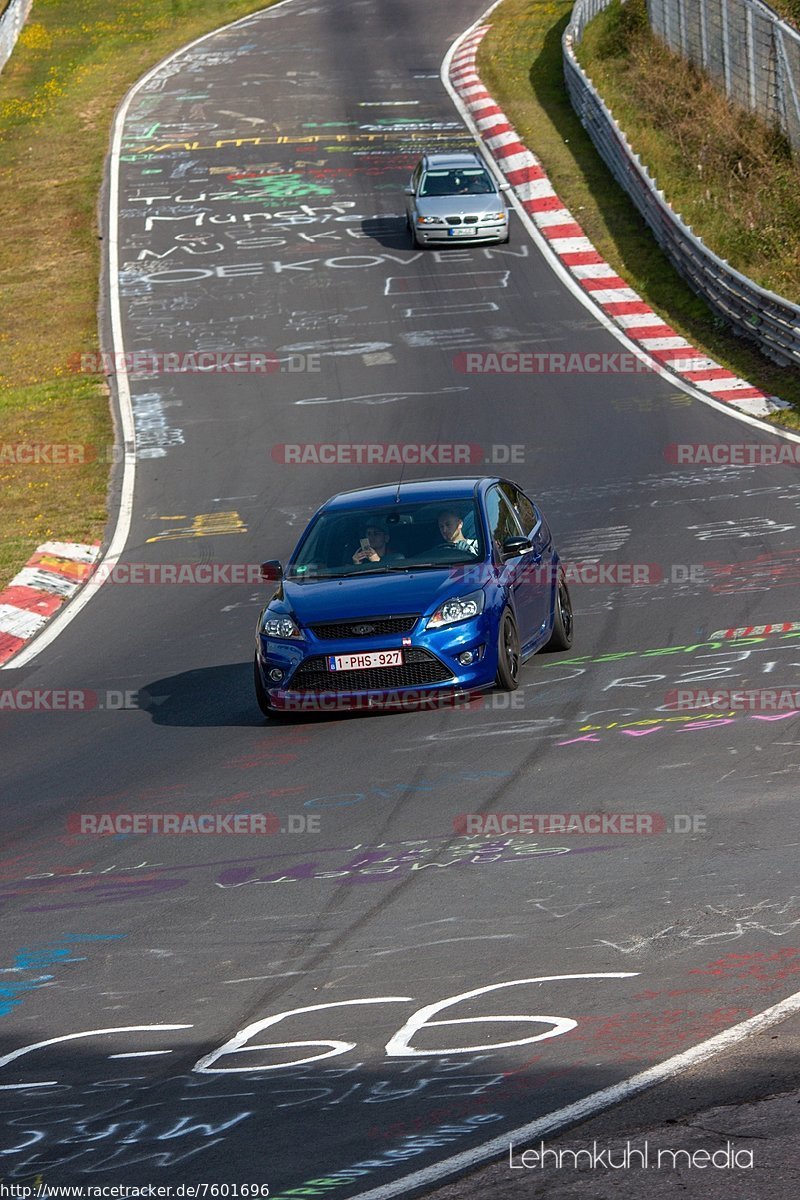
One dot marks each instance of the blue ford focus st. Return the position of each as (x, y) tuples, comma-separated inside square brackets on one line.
[(411, 594)]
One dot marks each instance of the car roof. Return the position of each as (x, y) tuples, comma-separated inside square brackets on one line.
[(463, 159), (386, 495)]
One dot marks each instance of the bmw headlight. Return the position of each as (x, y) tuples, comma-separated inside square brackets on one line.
[(428, 220), (501, 216), (281, 627), (460, 608)]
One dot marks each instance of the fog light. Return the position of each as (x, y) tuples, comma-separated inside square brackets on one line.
[(275, 675), (466, 657)]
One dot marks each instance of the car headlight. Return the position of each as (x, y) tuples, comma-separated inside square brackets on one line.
[(428, 220), (501, 216), (460, 608), (281, 627)]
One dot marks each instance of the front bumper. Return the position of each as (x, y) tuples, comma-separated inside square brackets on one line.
[(485, 232), (430, 676)]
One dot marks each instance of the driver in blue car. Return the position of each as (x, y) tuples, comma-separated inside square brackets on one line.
[(375, 544), (451, 527)]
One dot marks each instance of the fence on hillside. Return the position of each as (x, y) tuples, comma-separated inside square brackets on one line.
[(744, 45), (771, 321)]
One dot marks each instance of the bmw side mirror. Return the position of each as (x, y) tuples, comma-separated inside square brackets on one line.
[(514, 546), (271, 571), (505, 187), (408, 189)]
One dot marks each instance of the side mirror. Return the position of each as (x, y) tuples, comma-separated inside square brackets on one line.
[(505, 187), (514, 546), (408, 189), (271, 571)]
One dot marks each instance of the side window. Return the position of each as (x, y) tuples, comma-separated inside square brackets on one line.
[(502, 521), (415, 178), (526, 513)]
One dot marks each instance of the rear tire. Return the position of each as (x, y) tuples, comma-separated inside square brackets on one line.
[(561, 637), (508, 654)]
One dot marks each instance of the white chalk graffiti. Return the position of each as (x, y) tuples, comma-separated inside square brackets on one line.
[(398, 1045), (745, 527)]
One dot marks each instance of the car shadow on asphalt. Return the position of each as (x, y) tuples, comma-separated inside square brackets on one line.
[(206, 697), (214, 697)]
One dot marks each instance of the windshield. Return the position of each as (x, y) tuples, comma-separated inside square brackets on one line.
[(461, 181), (401, 538)]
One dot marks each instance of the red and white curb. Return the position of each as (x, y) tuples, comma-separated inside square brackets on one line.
[(52, 575), (577, 255)]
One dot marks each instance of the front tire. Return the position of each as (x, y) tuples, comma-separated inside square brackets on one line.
[(561, 637), (508, 654)]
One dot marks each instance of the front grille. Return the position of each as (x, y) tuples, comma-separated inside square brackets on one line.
[(372, 628), (470, 220), (420, 669), (453, 220)]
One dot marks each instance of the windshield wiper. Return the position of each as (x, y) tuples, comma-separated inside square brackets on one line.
[(432, 566)]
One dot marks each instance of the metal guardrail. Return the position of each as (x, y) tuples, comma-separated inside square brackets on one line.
[(12, 19), (771, 321)]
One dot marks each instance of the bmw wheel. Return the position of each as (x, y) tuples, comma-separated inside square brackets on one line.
[(508, 654), (561, 637)]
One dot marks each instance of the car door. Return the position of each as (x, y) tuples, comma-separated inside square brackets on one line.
[(522, 588), (539, 566)]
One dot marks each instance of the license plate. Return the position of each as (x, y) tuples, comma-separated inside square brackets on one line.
[(461, 232), (362, 662)]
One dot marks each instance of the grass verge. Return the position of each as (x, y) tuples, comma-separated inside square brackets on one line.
[(788, 10), (520, 63), (71, 67)]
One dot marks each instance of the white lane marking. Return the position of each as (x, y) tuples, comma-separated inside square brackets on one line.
[(565, 275), (590, 1105), (125, 514), (142, 1053)]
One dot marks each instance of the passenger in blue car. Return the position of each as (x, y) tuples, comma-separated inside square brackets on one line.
[(451, 527), (376, 535)]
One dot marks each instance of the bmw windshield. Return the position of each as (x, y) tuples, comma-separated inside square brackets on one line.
[(352, 542), (461, 181)]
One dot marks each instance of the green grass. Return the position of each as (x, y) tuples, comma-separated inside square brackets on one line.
[(788, 10), (58, 92), (520, 62)]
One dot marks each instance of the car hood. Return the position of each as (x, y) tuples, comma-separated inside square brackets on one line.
[(459, 206), (394, 594)]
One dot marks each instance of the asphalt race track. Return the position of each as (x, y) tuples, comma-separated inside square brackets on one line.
[(260, 210)]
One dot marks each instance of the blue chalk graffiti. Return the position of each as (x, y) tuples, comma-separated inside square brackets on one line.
[(39, 957)]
